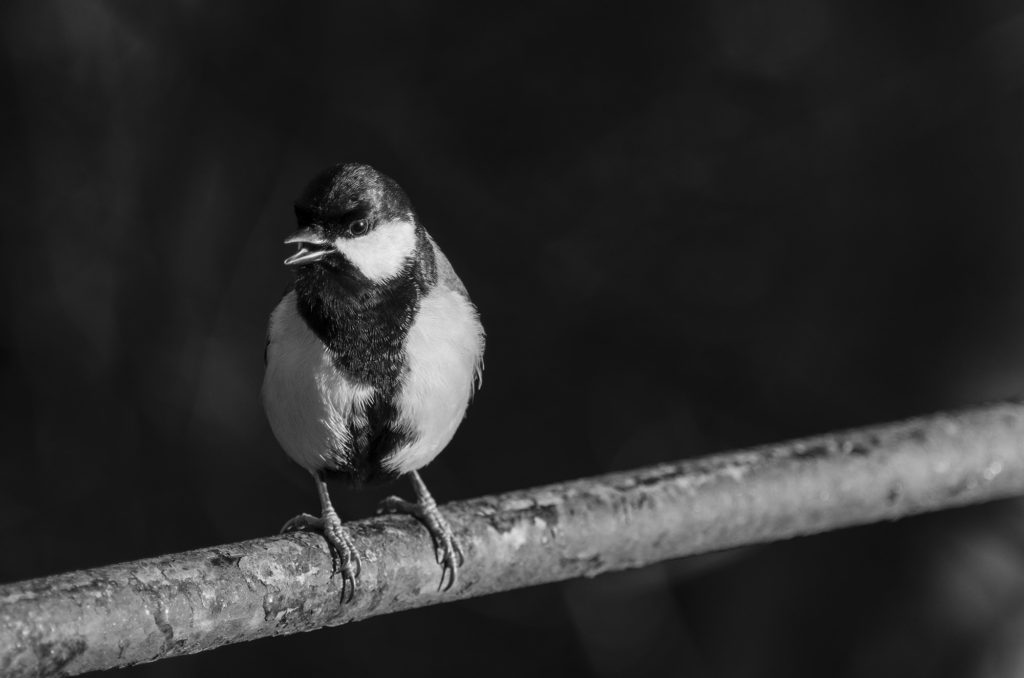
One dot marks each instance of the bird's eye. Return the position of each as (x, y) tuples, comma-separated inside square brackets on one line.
[(359, 227)]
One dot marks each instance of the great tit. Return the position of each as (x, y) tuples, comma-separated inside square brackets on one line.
[(372, 355)]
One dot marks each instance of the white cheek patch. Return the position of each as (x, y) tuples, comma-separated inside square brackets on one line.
[(381, 253)]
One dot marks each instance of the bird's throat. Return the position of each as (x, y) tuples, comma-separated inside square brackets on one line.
[(363, 326)]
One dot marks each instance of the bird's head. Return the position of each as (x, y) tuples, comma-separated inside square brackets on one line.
[(356, 227)]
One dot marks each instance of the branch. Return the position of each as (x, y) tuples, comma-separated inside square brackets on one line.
[(189, 602)]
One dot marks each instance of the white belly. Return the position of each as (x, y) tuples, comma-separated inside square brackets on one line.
[(443, 350), (309, 403)]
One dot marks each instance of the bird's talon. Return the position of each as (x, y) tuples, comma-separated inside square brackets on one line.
[(344, 557), (348, 584), (445, 576), (447, 551), (450, 572)]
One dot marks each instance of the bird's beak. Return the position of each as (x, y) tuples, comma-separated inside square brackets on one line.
[(312, 247)]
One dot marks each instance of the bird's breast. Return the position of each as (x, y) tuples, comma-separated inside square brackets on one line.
[(311, 405), (443, 352), (327, 419)]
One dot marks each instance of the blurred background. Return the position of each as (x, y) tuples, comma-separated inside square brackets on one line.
[(689, 227)]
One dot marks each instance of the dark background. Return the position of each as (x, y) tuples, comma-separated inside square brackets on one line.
[(688, 226)]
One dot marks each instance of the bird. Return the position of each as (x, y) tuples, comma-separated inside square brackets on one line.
[(372, 355)]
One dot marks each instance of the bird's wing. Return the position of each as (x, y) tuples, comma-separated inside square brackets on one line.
[(446, 275)]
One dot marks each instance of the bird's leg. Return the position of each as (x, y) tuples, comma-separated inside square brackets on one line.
[(339, 539), (446, 546)]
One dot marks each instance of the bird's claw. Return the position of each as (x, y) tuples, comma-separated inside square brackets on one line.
[(341, 544), (447, 550), (449, 555), (343, 550)]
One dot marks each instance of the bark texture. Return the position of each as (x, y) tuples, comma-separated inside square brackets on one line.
[(189, 602)]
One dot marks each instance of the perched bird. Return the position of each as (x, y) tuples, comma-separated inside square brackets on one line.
[(372, 355)]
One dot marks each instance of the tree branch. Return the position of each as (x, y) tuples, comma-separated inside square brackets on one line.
[(189, 602)]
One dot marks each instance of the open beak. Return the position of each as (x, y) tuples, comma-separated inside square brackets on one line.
[(312, 247)]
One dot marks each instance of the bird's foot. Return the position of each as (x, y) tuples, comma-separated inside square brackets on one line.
[(342, 548), (447, 550)]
